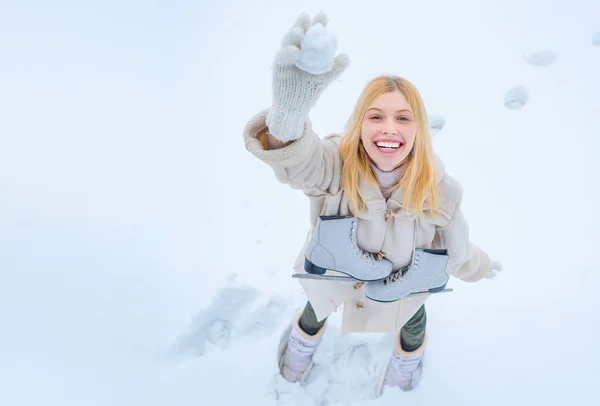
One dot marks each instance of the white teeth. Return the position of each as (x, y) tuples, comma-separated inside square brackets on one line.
[(388, 144)]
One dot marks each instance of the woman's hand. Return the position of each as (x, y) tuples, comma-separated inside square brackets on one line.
[(303, 68), (494, 270)]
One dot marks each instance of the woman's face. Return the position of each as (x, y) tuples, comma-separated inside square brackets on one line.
[(388, 130)]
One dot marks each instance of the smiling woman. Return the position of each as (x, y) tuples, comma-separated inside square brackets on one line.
[(380, 200)]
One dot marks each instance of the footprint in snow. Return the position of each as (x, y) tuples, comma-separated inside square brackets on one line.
[(347, 369), (541, 58), (236, 312), (596, 39), (516, 98)]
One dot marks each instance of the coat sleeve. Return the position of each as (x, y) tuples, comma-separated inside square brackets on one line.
[(309, 163), (466, 261)]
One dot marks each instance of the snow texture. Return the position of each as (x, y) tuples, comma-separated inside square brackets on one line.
[(145, 255), (235, 313)]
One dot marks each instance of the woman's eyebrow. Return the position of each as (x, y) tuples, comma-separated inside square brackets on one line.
[(397, 111)]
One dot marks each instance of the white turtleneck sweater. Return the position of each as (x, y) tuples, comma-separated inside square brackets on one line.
[(387, 180)]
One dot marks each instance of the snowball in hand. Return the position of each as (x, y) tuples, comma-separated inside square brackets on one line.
[(317, 50)]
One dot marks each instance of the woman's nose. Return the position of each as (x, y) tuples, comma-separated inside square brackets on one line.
[(389, 128)]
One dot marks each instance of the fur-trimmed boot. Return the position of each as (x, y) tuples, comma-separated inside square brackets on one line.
[(405, 368), (296, 349)]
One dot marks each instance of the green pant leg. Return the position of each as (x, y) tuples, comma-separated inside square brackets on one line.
[(308, 321), (412, 333)]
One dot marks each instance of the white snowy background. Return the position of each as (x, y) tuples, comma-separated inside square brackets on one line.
[(145, 254)]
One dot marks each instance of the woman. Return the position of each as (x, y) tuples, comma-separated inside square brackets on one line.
[(383, 173)]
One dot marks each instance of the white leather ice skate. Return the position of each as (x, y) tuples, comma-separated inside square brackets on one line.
[(428, 273), (333, 247)]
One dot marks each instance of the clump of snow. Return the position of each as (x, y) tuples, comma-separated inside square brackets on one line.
[(436, 123), (596, 39), (541, 58)]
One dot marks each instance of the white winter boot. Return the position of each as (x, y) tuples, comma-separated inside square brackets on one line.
[(405, 368), (296, 350)]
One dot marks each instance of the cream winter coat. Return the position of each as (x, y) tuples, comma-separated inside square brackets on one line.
[(314, 165)]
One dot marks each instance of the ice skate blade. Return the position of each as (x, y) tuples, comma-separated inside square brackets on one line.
[(331, 276), (314, 270), (411, 295)]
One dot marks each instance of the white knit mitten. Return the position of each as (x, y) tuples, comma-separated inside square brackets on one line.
[(495, 268), (303, 68)]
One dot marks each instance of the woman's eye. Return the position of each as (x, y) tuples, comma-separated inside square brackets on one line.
[(375, 117), (403, 118)]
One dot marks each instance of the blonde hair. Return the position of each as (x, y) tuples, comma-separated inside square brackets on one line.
[(419, 179)]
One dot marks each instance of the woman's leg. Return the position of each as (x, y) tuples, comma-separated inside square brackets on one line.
[(406, 365), (296, 352), (308, 321), (412, 333)]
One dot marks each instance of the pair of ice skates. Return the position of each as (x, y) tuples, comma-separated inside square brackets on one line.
[(333, 254)]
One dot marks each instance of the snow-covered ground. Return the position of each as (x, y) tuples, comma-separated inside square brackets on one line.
[(145, 255)]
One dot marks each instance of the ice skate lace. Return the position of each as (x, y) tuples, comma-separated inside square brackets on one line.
[(397, 278), (364, 255)]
